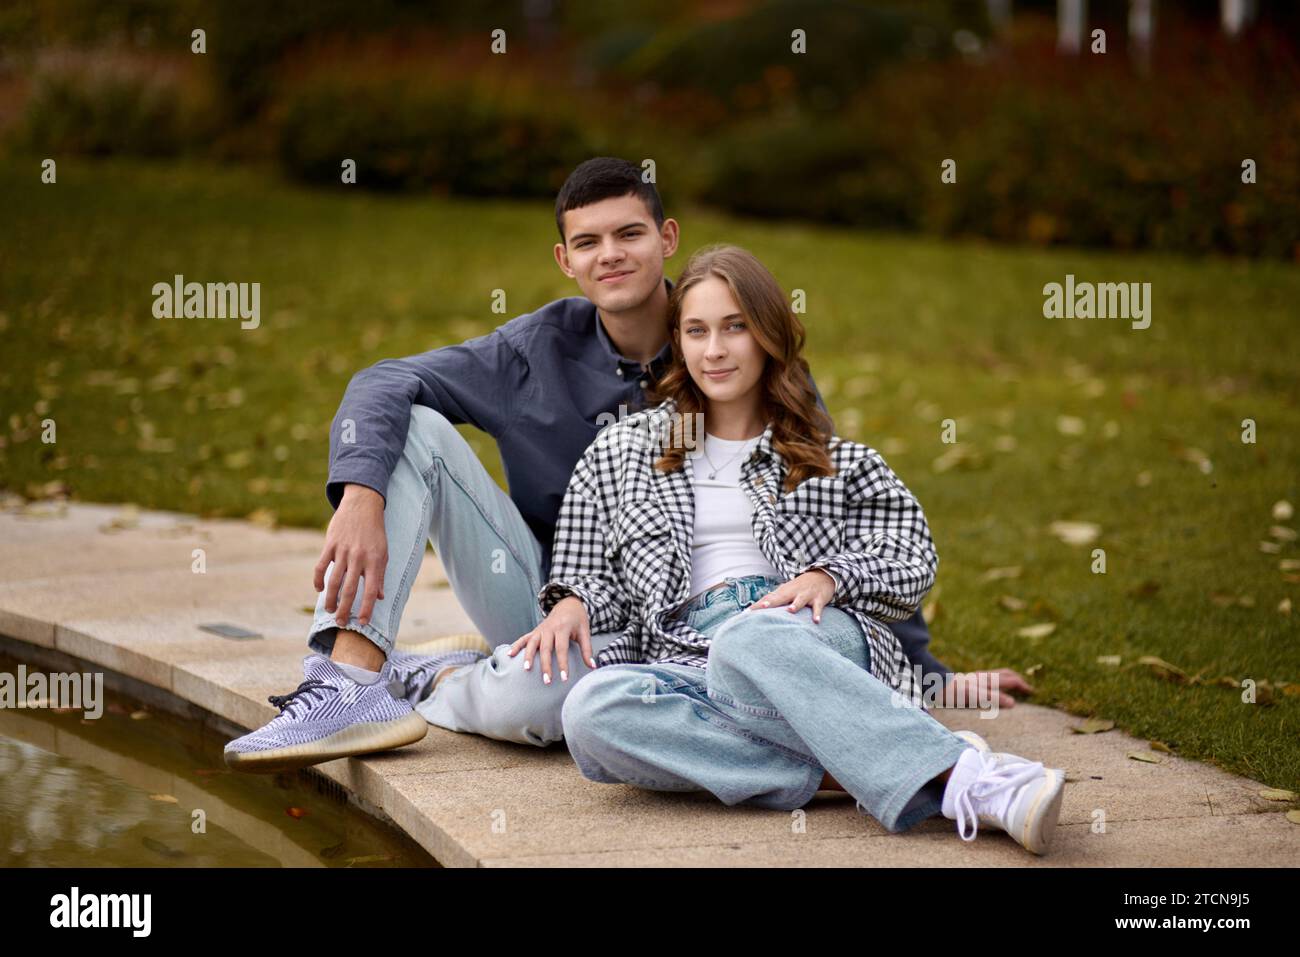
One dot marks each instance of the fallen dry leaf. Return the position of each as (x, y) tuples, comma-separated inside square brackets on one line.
[(1034, 632), (263, 517), (1093, 726), (1075, 533), (997, 574), (1144, 756), (1293, 817), (1278, 794), (1282, 511), (1163, 669), (959, 456), (1197, 458), (1070, 425), (1282, 533), (1161, 746), (1012, 603), (1284, 606), (1112, 660), (128, 517), (164, 798)]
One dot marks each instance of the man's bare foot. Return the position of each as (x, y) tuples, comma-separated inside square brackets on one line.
[(351, 648)]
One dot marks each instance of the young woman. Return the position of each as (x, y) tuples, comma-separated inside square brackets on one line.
[(749, 567)]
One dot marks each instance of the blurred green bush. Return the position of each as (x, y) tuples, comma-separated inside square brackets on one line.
[(407, 134), (101, 103), (1050, 149), (1043, 155)]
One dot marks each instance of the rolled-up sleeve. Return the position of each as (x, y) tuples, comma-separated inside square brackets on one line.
[(477, 382)]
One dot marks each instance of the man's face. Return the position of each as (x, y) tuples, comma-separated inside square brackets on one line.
[(715, 337), (615, 252)]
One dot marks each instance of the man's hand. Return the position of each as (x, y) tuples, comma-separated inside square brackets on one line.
[(977, 686), (567, 622), (358, 546), (813, 588)]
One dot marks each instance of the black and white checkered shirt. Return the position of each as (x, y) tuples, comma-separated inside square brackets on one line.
[(624, 536)]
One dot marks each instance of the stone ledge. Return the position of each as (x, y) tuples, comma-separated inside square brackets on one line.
[(128, 601)]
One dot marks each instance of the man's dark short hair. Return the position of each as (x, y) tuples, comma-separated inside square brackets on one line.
[(605, 177)]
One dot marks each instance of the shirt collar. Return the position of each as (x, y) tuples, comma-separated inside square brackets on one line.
[(657, 366)]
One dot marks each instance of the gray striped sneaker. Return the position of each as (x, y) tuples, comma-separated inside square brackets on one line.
[(329, 716)]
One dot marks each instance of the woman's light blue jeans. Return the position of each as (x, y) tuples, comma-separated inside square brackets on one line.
[(783, 701)]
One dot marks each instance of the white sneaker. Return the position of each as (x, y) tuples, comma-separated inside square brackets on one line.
[(974, 740), (1006, 792)]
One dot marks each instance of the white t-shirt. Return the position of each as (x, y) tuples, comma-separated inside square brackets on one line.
[(724, 545)]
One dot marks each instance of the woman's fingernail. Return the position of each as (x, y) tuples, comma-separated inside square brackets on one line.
[(527, 664), (564, 675), (546, 679)]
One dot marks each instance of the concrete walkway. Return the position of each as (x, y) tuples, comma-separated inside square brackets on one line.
[(116, 588)]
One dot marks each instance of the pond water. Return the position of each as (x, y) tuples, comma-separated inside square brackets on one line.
[(138, 787)]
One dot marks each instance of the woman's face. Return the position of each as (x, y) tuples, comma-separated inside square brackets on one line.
[(715, 337)]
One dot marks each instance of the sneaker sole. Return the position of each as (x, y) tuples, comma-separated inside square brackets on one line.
[(364, 738), (1040, 821), (462, 642)]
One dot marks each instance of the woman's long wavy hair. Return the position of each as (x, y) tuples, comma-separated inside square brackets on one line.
[(800, 430)]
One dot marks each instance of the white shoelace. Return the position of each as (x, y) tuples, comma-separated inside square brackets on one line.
[(993, 779)]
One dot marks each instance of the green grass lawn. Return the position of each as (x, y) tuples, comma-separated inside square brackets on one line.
[(201, 416)]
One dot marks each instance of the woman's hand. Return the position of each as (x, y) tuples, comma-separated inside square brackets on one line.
[(567, 622), (813, 588)]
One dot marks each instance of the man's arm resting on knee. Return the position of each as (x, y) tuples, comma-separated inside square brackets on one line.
[(358, 545), (477, 382)]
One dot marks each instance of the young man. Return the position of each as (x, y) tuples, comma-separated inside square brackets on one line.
[(542, 385)]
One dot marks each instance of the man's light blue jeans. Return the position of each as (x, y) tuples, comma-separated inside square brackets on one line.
[(440, 492), (783, 701)]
